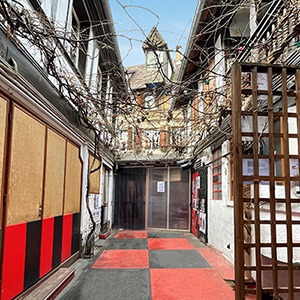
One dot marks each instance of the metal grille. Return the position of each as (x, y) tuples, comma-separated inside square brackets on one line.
[(266, 181)]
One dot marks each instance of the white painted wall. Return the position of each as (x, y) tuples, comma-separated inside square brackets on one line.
[(220, 212), (110, 197), (84, 228)]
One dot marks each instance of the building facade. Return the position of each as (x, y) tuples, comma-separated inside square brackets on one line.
[(262, 33), (151, 189), (56, 178)]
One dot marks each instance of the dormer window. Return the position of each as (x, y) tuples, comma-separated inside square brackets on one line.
[(151, 58)]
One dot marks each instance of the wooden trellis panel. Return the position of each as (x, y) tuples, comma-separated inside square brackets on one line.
[(266, 184)]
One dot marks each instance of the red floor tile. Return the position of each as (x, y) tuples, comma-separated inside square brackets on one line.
[(122, 259), (218, 262), (131, 235), (169, 244), (188, 284)]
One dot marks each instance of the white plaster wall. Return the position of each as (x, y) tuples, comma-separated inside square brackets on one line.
[(220, 65), (220, 212), (110, 198), (84, 227), (109, 165)]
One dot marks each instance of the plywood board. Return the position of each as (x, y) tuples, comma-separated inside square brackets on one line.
[(95, 176), (54, 175), (73, 180), (3, 120), (25, 185)]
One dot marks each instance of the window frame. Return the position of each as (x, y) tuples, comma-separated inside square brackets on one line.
[(217, 165)]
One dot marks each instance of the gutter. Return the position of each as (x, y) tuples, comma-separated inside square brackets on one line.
[(191, 39), (95, 7)]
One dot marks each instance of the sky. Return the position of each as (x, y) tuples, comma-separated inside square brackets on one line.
[(173, 18)]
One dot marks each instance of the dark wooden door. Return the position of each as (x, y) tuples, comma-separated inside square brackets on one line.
[(130, 199)]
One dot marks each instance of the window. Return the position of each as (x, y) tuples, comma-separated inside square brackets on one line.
[(177, 136), (150, 102), (217, 175), (123, 140), (151, 139), (80, 32), (75, 35)]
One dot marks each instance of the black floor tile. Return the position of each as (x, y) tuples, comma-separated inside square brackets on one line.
[(127, 244), (117, 284), (177, 259), (164, 234)]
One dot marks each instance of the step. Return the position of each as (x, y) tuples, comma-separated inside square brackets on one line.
[(52, 286), (104, 235)]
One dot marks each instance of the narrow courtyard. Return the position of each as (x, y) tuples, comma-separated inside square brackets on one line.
[(140, 265), (149, 149)]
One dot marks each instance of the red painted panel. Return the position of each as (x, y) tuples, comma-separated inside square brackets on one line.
[(194, 227), (46, 246), (194, 218), (14, 249), (66, 237)]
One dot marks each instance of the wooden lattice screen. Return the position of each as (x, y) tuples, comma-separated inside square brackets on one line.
[(266, 182)]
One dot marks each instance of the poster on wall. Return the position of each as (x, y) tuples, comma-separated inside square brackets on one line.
[(94, 202), (160, 186), (294, 167), (198, 182), (263, 167), (202, 222)]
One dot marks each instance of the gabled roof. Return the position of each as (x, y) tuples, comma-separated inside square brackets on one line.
[(154, 41), (137, 77)]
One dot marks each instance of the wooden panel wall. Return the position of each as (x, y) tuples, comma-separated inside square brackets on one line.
[(94, 177), (55, 175), (73, 180), (26, 169)]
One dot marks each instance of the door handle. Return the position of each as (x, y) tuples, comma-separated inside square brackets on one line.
[(40, 211)]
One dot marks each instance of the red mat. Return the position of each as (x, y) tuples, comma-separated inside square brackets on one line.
[(188, 284), (122, 259), (131, 235), (218, 262), (169, 244)]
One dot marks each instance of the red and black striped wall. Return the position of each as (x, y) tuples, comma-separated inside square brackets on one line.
[(31, 250)]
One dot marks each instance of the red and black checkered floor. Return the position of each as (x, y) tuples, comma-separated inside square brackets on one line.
[(139, 265)]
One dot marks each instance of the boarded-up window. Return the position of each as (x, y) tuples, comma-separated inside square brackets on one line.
[(73, 180), (26, 169), (3, 114), (54, 175), (95, 176)]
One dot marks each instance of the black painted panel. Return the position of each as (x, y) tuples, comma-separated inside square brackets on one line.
[(75, 233), (130, 199), (57, 240), (33, 249)]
